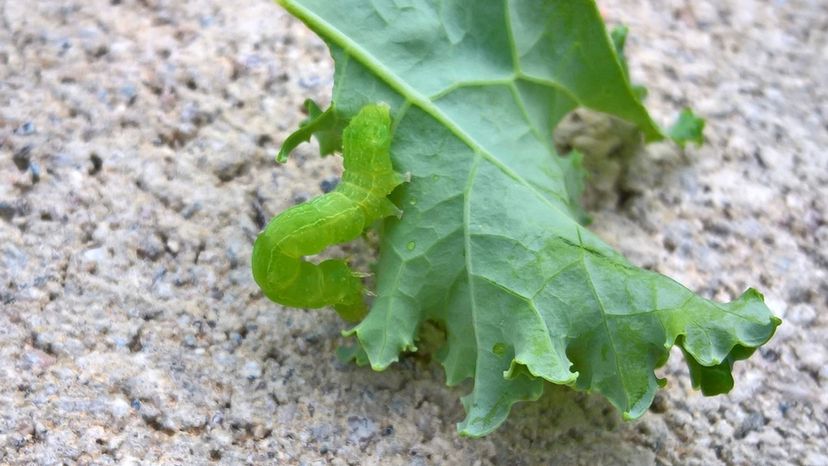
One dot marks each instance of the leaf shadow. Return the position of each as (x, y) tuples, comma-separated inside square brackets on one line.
[(567, 427)]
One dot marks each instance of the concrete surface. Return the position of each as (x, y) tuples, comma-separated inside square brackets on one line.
[(136, 143)]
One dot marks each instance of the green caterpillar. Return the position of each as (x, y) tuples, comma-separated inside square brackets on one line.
[(337, 217)]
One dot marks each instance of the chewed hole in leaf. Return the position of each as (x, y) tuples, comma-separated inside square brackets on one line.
[(500, 348)]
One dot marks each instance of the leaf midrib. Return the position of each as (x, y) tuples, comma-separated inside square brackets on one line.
[(394, 81)]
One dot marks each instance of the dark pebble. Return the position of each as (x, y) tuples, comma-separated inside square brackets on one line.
[(300, 197), (754, 422), (660, 404), (151, 248), (22, 157), (7, 211), (25, 129), (264, 139), (769, 354), (328, 184), (800, 294), (97, 164), (34, 169), (191, 210)]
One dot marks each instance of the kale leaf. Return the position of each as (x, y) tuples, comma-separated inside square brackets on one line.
[(488, 244)]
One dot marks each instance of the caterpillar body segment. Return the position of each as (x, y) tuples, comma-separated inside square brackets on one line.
[(336, 217)]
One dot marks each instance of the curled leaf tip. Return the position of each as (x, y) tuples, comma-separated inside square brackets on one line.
[(687, 128)]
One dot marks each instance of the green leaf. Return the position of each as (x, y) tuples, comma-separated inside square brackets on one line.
[(327, 126), (489, 244), (353, 353), (688, 128), (619, 40)]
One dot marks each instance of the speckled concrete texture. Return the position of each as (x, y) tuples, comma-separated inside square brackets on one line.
[(136, 167)]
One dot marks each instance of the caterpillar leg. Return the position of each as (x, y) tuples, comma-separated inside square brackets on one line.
[(389, 209), (346, 287)]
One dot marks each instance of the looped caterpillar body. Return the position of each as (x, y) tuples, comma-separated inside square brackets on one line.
[(337, 217)]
